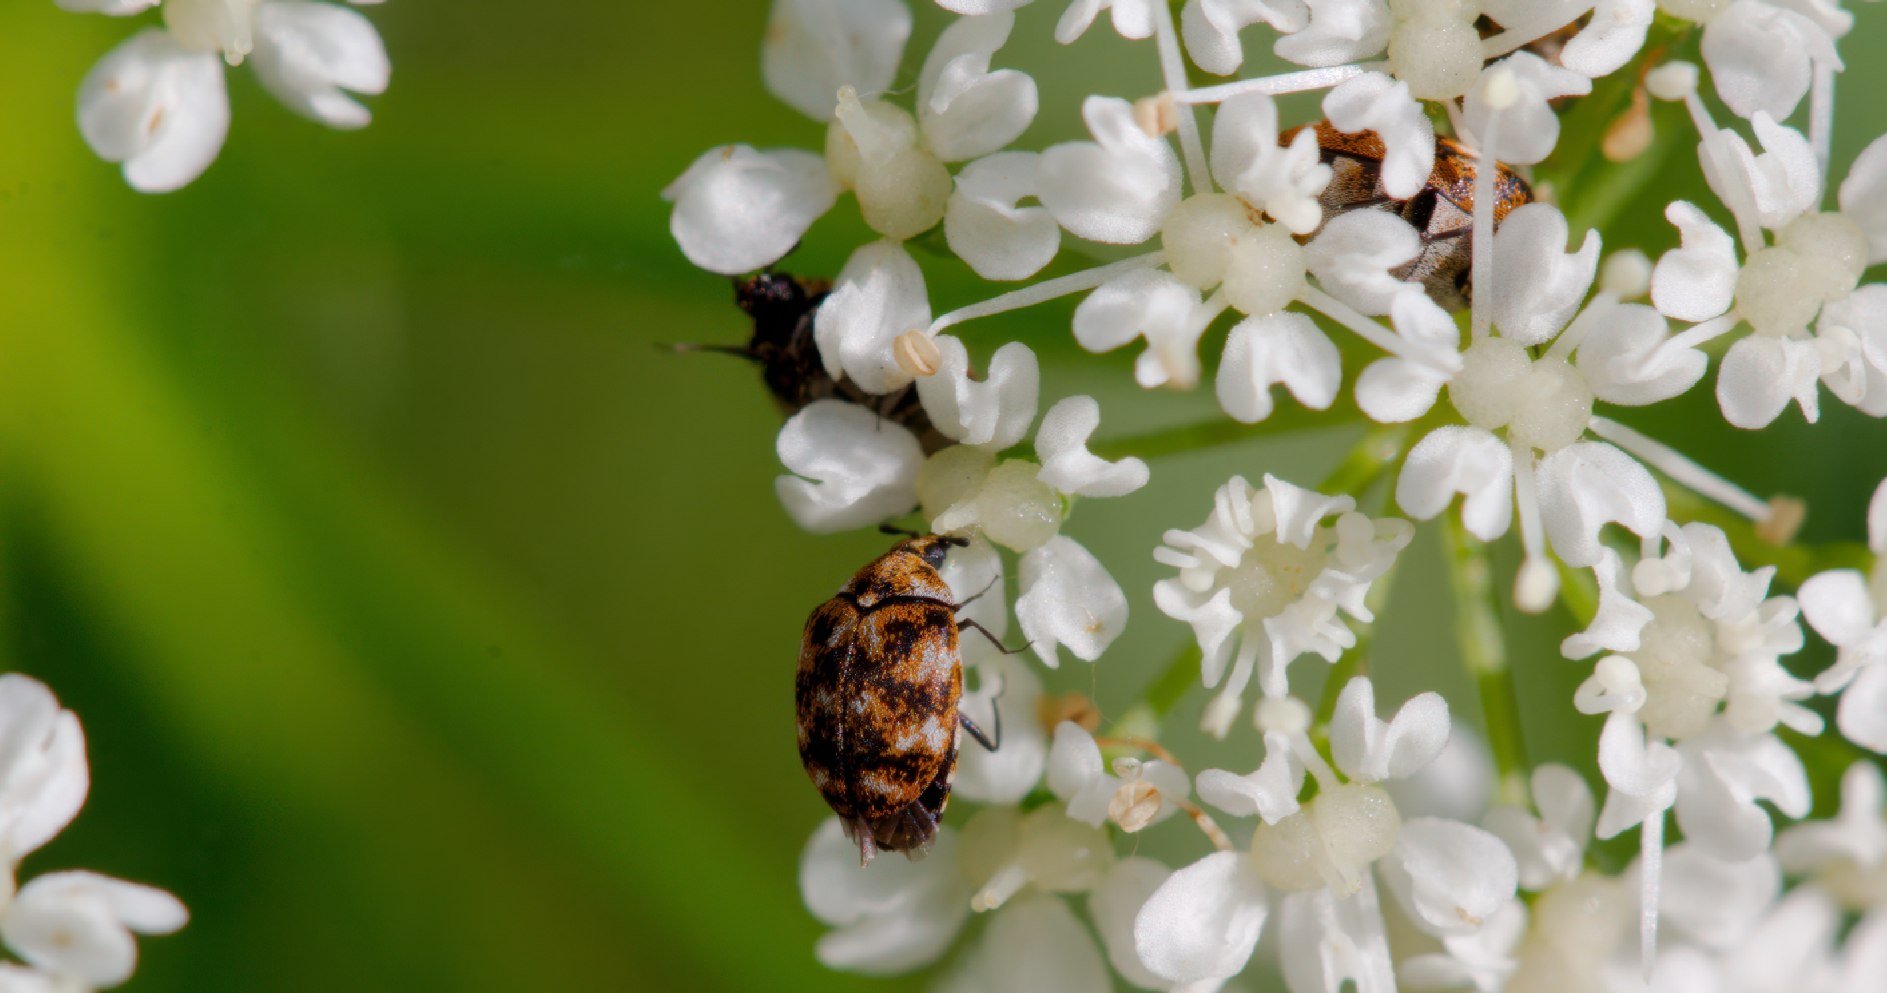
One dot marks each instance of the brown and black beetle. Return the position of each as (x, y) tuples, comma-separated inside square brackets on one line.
[(880, 677)]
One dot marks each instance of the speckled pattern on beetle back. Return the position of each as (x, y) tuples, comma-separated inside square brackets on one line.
[(1442, 211), (880, 676)]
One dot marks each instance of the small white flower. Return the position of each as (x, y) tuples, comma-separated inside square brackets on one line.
[(43, 774), (1847, 854), (1528, 127), (1068, 600), (1375, 102), (1537, 284), (1117, 188), (879, 295), (1713, 902), (1697, 280), (1132, 18), (1211, 27), (995, 412), (76, 926), (1760, 56), (1034, 944), (1840, 606), (851, 468), (1135, 795), (1339, 31), (889, 918), (963, 109), (1863, 196), (813, 47), (1153, 304), (1610, 39), (1068, 466), (1464, 460), (986, 228), (308, 53), (1586, 485), (1725, 771), (1282, 348), (1551, 848), (158, 107), (1115, 903), (1009, 773), (1282, 181), (1262, 567)]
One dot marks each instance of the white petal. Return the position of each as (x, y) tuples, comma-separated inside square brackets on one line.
[(1613, 36), (1210, 28), (1074, 763), (889, 918), (1863, 196), (965, 110), (1375, 102), (1451, 877), (1396, 391), (1270, 791), (1009, 773), (813, 47), (1282, 348), (1529, 128), (116, 8), (1068, 599), (737, 210), (1725, 773), (1456, 785), (879, 295), (1713, 902), (1370, 750), (1785, 179), (1837, 605), (1462, 460), (1620, 618), (1324, 941), (1858, 833), (983, 225), (1582, 486), (1877, 520), (158, 107), (1034, 944), (43, 773), (78, 924), (1150, 302), (307, 53), (1634, 766), (1862, 715), (1352, 255), (1067, 465), (1696, 281), (1627, 358), (1340, 31), (995, 411), (1204, 921), (1299, 510), (851, 467), (1537, 284), (1115, 904), (1246, 158), (1118, 188), (1759, 56), (1760, 375)]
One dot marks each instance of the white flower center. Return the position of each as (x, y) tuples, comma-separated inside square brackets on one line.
[(1674, 658), (1818, 258), (1271, 574), (1544, 403), (1330, 842)]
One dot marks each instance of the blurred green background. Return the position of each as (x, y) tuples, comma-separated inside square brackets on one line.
[(430, 628)]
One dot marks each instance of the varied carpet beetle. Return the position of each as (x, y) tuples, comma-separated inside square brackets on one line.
[(782, 345), (880, 677), (1443, 210)]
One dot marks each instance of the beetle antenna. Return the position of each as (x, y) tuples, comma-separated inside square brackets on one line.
[(894, 529)]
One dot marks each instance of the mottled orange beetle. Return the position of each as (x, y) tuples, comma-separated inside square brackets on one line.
[(1442, 211), (880, 677), (782, 345)]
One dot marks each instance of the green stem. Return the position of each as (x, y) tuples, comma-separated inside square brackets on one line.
[(1219, 431), (1379, 447), (1172, 683), (1484, 653)]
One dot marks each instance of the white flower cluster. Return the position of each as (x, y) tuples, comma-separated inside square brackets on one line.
[(72, 930), (1299, 232), (157, 103)]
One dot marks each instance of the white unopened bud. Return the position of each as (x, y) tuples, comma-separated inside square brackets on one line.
[(1436, 54), (1672, 80), (1282, 714), (1626, 274), (1200, 234), (1535, 586)]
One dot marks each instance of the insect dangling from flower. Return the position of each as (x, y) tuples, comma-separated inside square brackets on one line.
[(880, 676), (1442, 211), (784, 308)]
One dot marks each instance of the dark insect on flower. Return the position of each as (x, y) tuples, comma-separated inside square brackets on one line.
[(1442, 211), (782, 308), (880, 677)]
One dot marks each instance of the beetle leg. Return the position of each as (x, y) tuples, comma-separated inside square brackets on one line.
[(894, 529), (967, 600), (989, 743), (992, 638)]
